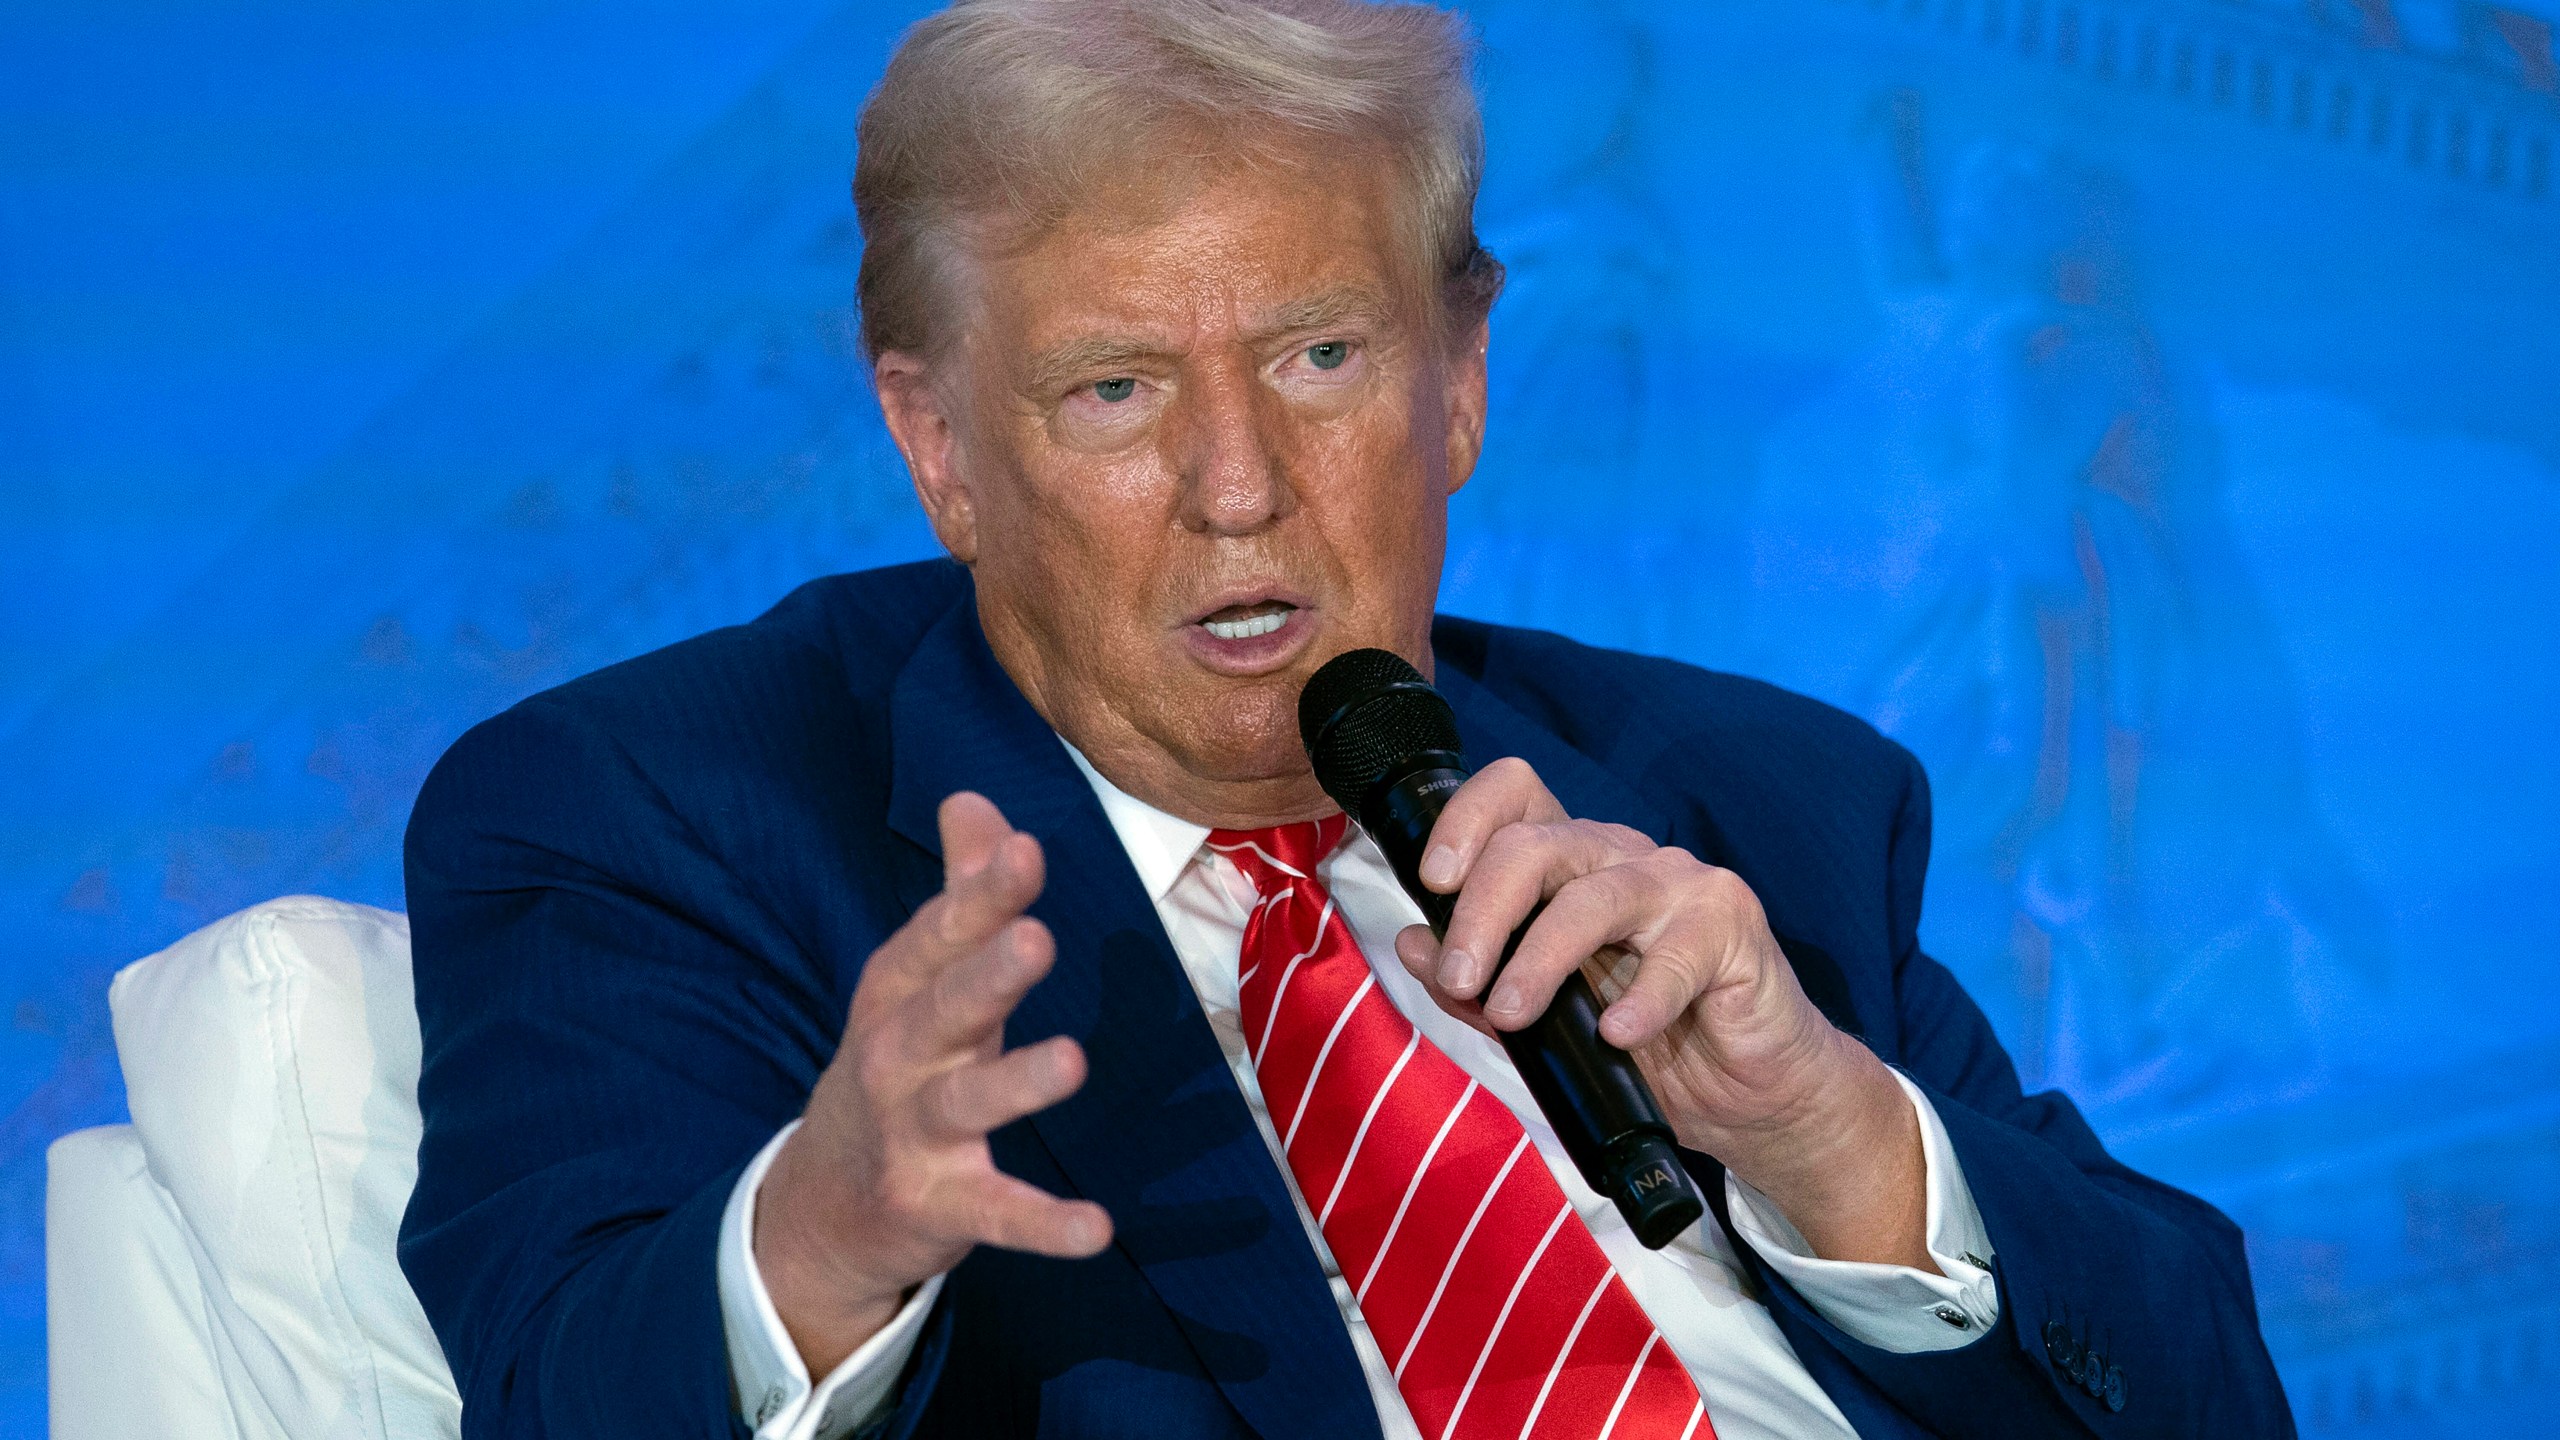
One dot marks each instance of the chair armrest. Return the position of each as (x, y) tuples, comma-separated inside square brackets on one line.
[(128, 1345)]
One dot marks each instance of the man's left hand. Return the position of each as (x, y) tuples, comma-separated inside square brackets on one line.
[(1746, 1068)]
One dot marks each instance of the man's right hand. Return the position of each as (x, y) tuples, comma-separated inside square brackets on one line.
[(888, 1181)]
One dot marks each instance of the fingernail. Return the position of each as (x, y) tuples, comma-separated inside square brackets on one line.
[(1505, 1000), (1616, 1025), (1457, 971), (1439, 866)]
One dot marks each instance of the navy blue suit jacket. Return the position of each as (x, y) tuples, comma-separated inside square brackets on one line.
[(640, 903)]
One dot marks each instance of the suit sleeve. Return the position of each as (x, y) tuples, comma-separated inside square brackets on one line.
[(613, 1026), (2148, 1285)]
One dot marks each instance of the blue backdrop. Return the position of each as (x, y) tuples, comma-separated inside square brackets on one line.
[(2148, 411)]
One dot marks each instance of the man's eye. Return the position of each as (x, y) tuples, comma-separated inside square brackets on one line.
[(1112, 392), (1329, 355)]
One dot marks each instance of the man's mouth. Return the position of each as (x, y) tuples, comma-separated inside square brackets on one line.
[(1245, 622)]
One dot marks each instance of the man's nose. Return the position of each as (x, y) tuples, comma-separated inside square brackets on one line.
[(1234, 480)]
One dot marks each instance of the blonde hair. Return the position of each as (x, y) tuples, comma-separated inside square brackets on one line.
[(996, 117)]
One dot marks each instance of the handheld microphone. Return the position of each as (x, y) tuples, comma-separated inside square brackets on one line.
[(1386, 748)]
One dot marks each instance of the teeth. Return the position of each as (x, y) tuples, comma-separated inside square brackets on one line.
[(1247, 629)]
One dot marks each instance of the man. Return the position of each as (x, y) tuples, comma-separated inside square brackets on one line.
[(948, 1005)]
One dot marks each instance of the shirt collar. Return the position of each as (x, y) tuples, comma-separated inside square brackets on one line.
[(1160, 846)]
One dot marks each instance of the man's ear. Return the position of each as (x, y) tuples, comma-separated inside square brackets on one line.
[(918, 412), (1465, 388)]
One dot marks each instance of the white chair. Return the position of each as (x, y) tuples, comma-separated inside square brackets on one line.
[(224, 1265)]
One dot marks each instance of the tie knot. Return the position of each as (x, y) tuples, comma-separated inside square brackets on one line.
[(1277, 854)]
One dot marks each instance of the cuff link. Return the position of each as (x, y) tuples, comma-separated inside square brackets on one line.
[(1953, 1316)]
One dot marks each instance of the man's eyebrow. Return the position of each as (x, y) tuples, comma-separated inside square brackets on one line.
[(1091, 355), (1324, 310)]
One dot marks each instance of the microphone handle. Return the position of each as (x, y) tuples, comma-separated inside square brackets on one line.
[(1590, 1090)]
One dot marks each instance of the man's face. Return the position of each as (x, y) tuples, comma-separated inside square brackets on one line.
[(1190, 456)]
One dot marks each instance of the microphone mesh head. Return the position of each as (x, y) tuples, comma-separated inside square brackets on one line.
[(1362, 714)]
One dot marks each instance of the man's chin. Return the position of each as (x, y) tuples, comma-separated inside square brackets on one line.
[(1246, 761), (1246, 734)]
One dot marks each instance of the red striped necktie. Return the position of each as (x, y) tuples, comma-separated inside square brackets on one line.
[(1490, 1300)]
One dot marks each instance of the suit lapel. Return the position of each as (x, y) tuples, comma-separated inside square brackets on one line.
[(1494, 730), (1159, 1135)]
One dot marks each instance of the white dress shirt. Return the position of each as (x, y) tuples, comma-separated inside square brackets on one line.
[(1693, 1288)]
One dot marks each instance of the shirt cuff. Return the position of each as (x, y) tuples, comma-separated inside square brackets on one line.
[(769, 1383), (1891, 1307)]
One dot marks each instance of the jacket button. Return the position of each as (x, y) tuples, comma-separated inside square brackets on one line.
[(2093, 1375), (2114, 1396), (2059, 1348)]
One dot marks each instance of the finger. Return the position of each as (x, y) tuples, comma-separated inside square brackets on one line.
[(998, 1209), (1506, 792), (1667, 982), (971, 1099), (1419, 949), (974, 905), (1605, 906), (1707, 941), (1522, 864), (1421, 956), (965, 1004), (971, 827), (948, 927)]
